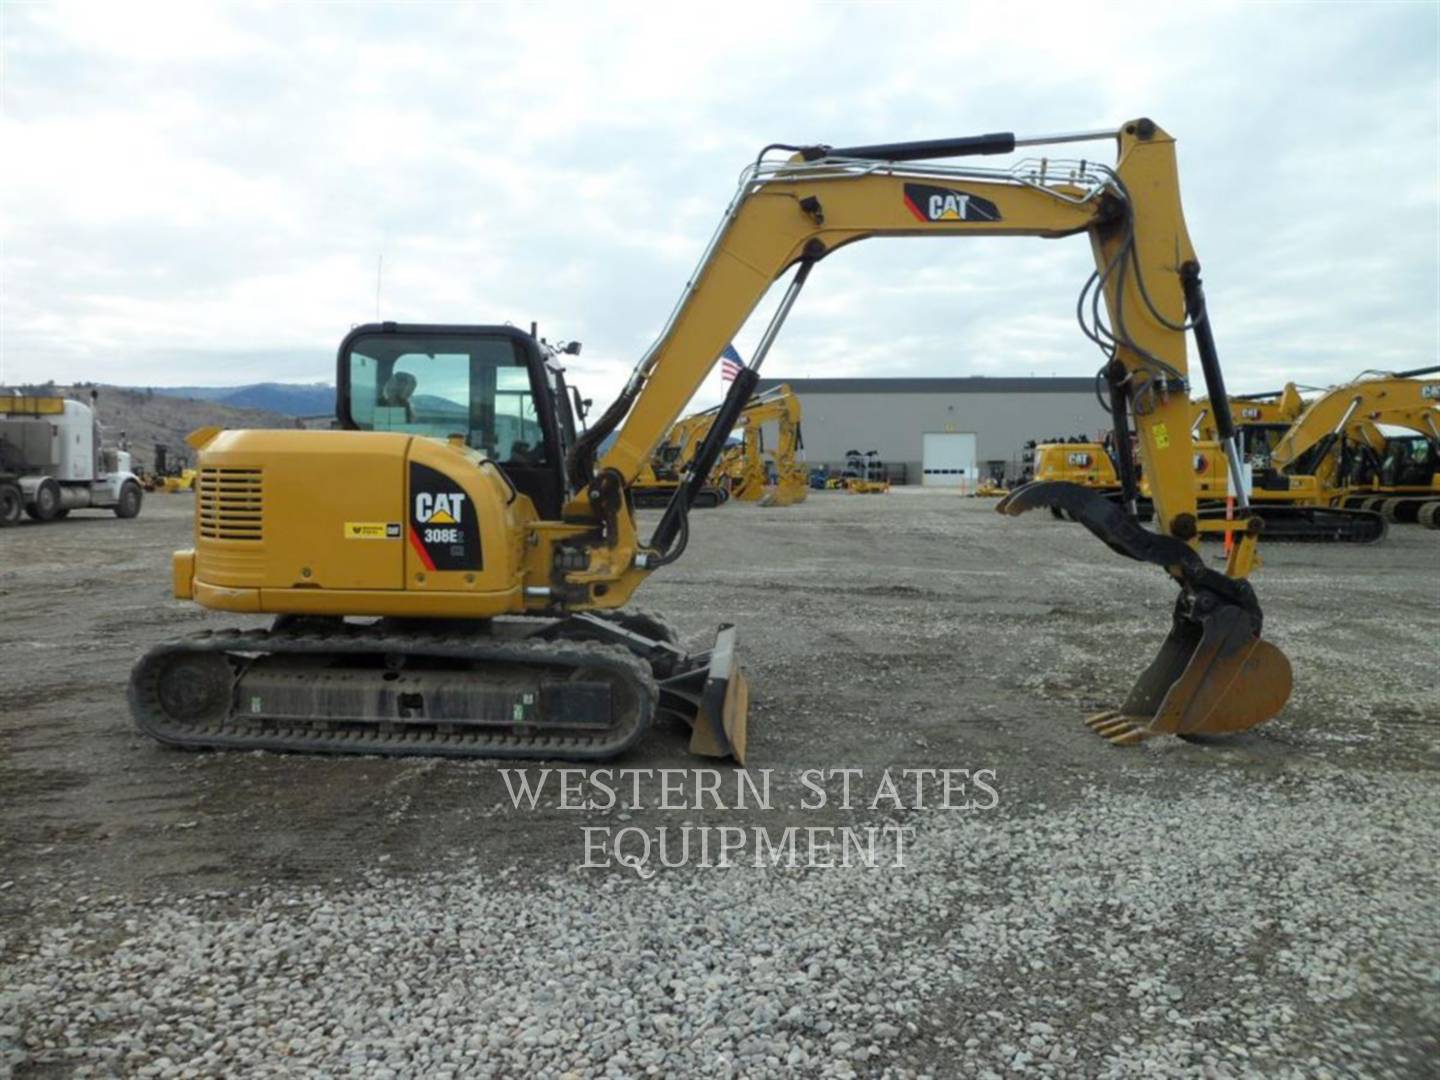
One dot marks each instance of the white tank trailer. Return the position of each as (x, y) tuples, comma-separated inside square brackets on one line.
[(52, 462)]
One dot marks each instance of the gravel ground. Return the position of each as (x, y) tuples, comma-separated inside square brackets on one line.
[(1263, 906)]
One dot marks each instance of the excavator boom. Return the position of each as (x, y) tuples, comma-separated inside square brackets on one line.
[(795, 213)]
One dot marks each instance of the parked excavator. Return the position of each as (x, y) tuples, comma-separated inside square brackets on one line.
[(742, 469), (1273, 407), (1309, 494), (1336, 454), (1399, 479), (1076, 460), (499, 563), (747, 468), (661, 476)]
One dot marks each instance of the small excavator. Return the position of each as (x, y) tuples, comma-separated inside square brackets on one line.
[(1076, 460), (747, 467), (661, 476), (458, 582), (741, 469)]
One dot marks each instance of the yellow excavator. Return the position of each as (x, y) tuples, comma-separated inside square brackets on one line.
[(1251, 415), (458, 581), (1336, 455), (747, 468), (1085, 463), (1274, 407), (662, 474), (742, 468)]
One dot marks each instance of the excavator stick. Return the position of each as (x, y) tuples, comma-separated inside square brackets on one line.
[(1213, 674)]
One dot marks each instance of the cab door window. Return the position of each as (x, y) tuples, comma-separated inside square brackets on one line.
[(477, 387)]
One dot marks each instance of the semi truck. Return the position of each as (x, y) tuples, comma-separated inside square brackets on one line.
[(52, 461)]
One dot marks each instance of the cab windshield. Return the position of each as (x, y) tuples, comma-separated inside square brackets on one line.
[(437, 385)]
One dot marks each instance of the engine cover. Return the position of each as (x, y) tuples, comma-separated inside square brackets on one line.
[(353, 523)]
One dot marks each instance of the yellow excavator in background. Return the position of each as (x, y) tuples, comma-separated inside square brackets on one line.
[(1276, 407), (1250, 414), (661, 476), (1085, 463), (747, 468), (1401, 482), (1335, 453), (742, 470), (458, 582)]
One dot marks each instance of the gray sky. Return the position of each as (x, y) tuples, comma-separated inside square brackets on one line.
[(199, 194)]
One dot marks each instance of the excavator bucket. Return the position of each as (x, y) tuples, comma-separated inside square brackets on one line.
[(712, 696), (783, 494), (1213, 675)]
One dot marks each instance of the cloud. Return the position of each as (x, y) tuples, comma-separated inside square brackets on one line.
[(209, 188)]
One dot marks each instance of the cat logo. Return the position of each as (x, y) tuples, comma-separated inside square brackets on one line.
[(444, 529), (1079, 458), (1250, 412), (933, 204), (1430, 391), (439, 507)]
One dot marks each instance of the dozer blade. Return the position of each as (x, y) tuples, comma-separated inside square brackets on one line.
[(712, 696), (1213, 674)]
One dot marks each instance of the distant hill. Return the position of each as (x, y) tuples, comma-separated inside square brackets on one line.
[(149, 417), (289, 399)]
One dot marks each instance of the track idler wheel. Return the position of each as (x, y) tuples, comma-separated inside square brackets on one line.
[(1213, 675), (1429, 515)]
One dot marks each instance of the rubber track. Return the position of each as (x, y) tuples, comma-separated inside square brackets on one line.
[(1399, 509), (405, 737), (659, 498), (1311, 525)]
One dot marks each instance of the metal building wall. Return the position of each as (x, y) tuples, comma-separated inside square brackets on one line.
[(892, 415)]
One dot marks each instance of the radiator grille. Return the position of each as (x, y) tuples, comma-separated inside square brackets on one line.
[(229, 504)]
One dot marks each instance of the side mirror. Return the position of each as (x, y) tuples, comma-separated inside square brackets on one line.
[(572, 349)]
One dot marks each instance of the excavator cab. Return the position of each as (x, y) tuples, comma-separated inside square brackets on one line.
[(497, 388)]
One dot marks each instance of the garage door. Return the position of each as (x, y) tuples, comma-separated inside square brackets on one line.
[(949, 458)]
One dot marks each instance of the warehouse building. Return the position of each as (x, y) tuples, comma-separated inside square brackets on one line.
[(941, 432)]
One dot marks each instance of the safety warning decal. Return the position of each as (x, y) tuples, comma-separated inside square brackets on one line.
[(444, 530), (372, 530), (931, 204)]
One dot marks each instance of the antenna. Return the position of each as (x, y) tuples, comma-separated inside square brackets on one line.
[(379, 272)]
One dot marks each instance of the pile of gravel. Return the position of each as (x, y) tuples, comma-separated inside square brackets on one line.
[(1278, 928)]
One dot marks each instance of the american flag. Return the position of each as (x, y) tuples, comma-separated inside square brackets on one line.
[(730, 364)]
